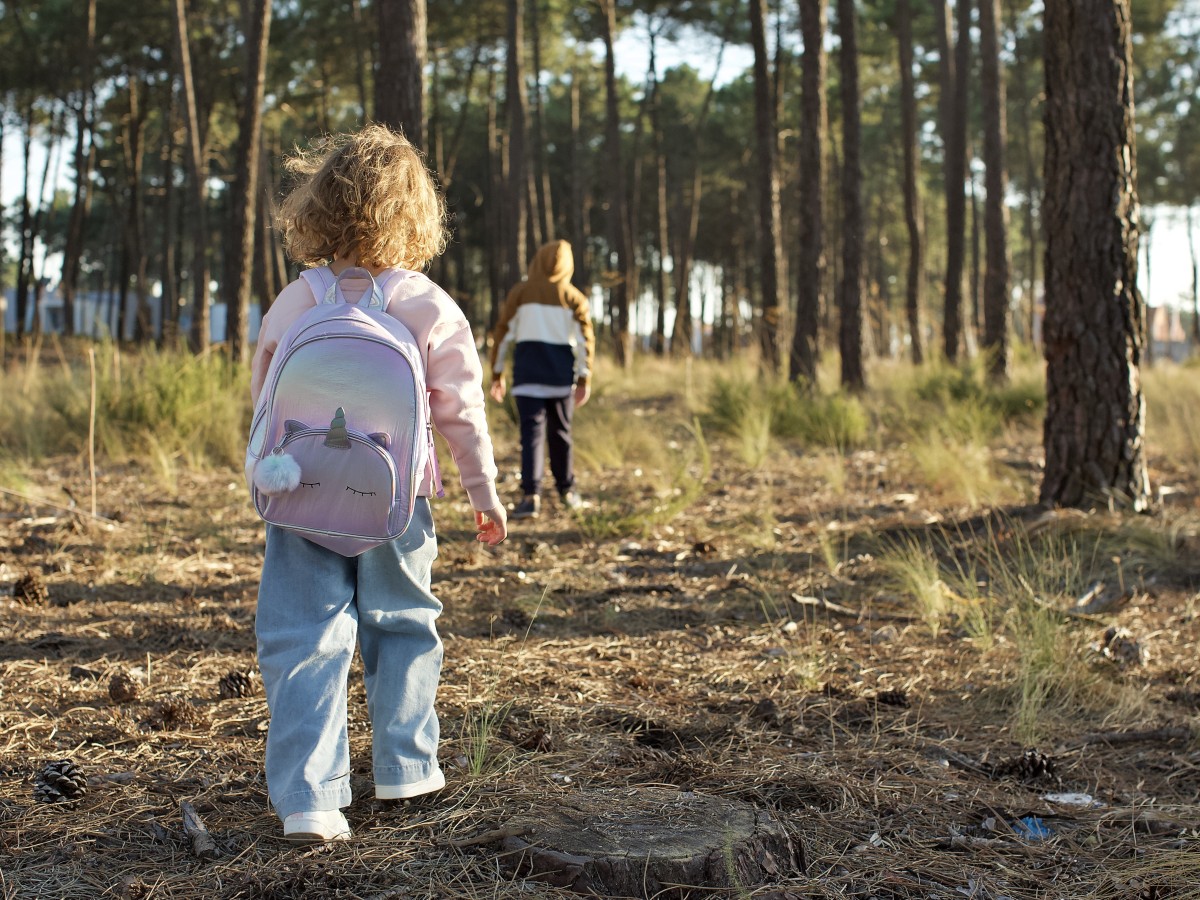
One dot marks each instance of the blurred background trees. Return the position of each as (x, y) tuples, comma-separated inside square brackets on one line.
[(702, 156)]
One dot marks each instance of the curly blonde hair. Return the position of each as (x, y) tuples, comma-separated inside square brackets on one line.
[(368, 194)]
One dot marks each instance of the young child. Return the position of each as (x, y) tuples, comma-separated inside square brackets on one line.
[(366, 200), (547, 322)]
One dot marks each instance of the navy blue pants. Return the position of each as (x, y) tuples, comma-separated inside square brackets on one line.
[(546, 422)]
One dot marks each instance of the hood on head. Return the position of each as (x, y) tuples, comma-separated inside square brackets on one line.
[(554, 261)]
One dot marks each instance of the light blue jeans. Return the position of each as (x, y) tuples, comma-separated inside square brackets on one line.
[(313, 604)]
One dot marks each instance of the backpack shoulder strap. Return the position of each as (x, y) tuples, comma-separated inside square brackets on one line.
[(320, 281)]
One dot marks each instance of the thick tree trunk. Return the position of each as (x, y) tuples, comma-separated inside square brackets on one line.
[(810, 278), (618, 226), (995, 212), (197, 174), (912, 196), (1095, 319), (517, 193), (1031, 179), (400, 81), (769, 213), (245, 189), (850, 295)]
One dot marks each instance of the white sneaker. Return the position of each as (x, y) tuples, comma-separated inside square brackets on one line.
[(434, 782), (322, 825)]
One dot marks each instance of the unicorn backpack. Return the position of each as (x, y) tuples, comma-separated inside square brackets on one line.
[(342, 435)]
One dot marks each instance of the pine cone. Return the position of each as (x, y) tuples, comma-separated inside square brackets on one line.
[(174, 712), (59, 782), (30, 590), (237, 684), (122, 688), (1031, 765)]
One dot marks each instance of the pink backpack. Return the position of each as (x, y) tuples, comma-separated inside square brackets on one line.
[(342, 435)]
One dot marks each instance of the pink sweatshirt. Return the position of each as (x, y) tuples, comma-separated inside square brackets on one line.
[(453, 373)]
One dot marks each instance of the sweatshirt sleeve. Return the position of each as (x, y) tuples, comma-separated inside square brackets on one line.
[(585, 355), (293, 301), (456, 401)]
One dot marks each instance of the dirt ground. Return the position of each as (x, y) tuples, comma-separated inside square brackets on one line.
[(749, 648)]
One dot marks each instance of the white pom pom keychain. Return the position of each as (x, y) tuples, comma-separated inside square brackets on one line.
[(277, 474)]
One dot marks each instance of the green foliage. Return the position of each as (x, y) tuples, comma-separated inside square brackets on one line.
[(150, 405), (753, 411)]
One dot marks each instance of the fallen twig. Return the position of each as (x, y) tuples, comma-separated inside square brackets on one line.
[(203, 845), (491, 837)]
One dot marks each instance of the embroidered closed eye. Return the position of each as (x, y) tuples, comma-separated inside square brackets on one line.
[(310, 484), (360, 493)]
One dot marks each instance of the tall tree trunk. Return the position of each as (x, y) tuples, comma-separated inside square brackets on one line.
[(912, 196), (197, 175), (25, 259), (995, 213), (400, 81), (85, 153), (617, 222), (245, 188), (362, 57), (170, 228), (1031, 179), (1095, 319), (955, 65), (811, 253), (578, 221), (495, 245), (661, 230), (517, 194), (769, 214), (850, 295), (541, 168), (136, 221), (680, 340), (1191, 239)]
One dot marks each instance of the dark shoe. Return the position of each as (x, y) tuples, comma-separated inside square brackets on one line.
[(570, 500), (527, 508)]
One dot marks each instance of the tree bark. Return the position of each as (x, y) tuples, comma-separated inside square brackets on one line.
[(661, 230), (850, 295), (811, 253), (912, 196), (1095, 318), (197, 172), (955, 65), (617, 223), (995, 212), (245, 188), (545, 205), (769, 213), (400, 81), (649, 842), (517, 194)]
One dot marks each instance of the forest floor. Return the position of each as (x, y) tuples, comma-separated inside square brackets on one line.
[(752, 645)]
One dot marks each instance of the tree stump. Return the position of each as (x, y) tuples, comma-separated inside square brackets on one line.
[(649, 842)]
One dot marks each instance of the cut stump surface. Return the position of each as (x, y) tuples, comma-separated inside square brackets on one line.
[(649, 842)]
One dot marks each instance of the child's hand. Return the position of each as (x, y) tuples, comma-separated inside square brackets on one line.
[(492, 524), (498, 389)]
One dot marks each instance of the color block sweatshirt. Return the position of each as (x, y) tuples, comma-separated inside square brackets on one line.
[(547, 323)]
